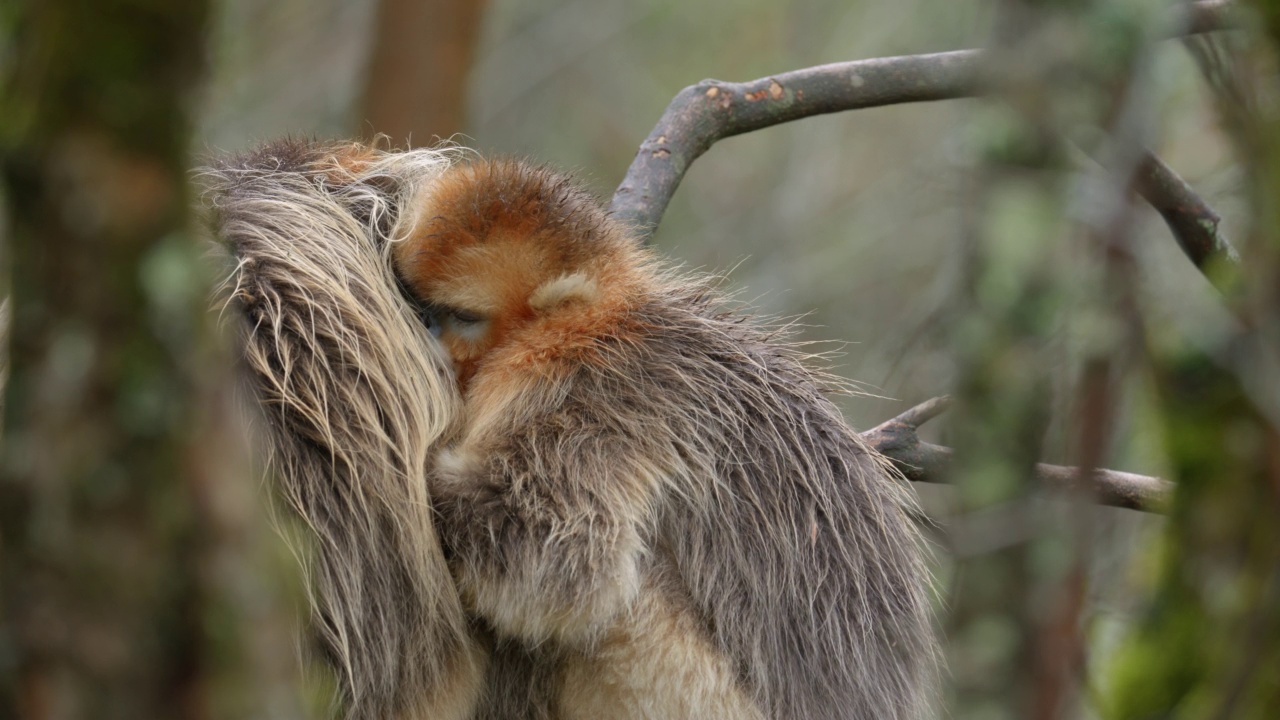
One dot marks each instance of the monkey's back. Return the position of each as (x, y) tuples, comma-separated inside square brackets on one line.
[(792, 536)]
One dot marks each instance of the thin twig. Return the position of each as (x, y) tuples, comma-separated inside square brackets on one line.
[(924, 412), (919, 461)]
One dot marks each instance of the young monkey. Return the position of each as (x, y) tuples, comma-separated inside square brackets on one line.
[(647, 488)]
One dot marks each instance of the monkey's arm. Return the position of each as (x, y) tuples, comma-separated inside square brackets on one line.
[(545, 517)]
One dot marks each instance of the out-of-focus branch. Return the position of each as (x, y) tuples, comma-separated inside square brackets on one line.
[(1194, 224), (1205, 16), (920, 461)]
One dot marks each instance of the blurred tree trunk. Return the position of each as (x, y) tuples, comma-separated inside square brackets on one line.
[(422, 52), (128, 584)]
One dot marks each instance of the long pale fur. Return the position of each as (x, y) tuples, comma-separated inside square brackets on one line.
[(353, 396), (653, 491)]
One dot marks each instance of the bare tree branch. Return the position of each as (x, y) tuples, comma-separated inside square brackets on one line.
[(920, 461), (702, 114), (713, 110)]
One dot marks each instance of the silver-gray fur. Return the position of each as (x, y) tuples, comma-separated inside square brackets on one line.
[(803, 550), (793, 538), (353, 396)]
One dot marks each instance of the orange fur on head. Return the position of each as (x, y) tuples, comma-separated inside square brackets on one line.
[(515, 250)]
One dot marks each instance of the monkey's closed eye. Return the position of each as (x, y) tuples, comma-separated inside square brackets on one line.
[(466, 324), (465, 317)]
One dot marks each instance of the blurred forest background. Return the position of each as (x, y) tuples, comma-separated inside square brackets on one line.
[(963, 247)]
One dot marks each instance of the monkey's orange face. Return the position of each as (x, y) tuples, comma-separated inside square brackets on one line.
[(503, 258)]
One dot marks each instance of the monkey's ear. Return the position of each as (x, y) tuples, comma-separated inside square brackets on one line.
[(571, 287)]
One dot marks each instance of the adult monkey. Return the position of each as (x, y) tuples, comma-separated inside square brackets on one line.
[(650, 508), (353, 395)]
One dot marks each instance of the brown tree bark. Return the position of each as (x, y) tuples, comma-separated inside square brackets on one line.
[(129, 586), (416, 87)]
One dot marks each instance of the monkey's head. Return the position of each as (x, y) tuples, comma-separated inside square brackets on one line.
[(513, 259)]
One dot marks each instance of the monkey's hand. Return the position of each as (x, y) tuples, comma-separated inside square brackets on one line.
[(545, 519)]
